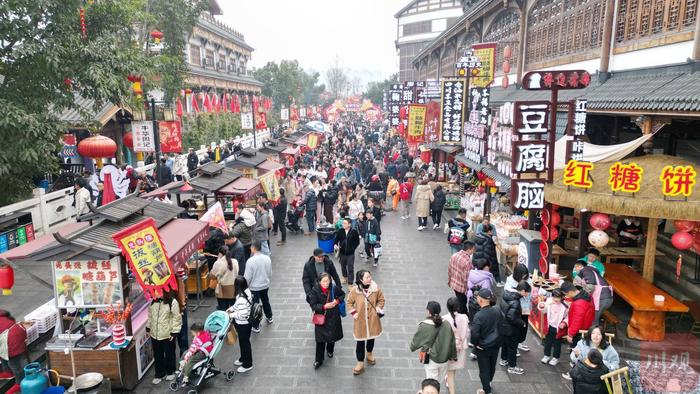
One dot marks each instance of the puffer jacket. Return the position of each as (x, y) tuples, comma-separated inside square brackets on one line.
[(481, 278), (164, 319), (243, 232), (310, 201), (581, 313), (485, 249), (512, 313), (587, 379), (439, 200)]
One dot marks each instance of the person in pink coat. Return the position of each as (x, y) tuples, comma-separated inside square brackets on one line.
[(460, 327)]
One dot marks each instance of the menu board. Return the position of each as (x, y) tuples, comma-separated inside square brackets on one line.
[(87, 283), (453, 92)]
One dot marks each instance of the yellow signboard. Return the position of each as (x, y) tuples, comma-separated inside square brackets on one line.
[(487, 55), (416, 120)]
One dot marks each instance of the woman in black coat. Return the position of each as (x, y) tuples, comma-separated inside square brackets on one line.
[(437, 206), (486, 249), (325, 299)]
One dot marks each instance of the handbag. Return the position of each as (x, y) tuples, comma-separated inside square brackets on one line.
[(372, 238), (319, 319), (231, 336), (341, 304), (213, 282)]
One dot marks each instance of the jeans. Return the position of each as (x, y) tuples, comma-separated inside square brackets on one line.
[(311, 220), (435, 370), (279, 225), (265, 247), (321, 347), (605, 303), (405, 205), (509, 349), (224, 303), (486, 359), (437, 216), (182, 342), (164, 357), (360, 349), (423, 221), (347, 266), (552, 345), (243, 331), (462, 297), (261, 295)]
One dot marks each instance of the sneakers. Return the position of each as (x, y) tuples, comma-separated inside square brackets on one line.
[(554, 361), (420, 228), (156, 381), (256, 329), (238, 363), (403, 218), (545, 359), (517, 353), (435, 226), (566, 376), (503, 363), (317, 364), (243, 369), (472, 356), (523, 347), (374, 264), (500, 284), (516, 371), (170, 378), (270, 321), (330, 355)]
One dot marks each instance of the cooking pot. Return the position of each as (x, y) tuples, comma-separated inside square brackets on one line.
[(87, 381)]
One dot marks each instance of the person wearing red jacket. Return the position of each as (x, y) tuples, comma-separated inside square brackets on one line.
[(16, 347), (405, 193), (581, 311)]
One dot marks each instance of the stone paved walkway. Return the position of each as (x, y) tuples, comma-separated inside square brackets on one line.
[(412, 272)]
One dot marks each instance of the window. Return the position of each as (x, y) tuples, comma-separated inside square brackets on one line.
[(417, 28), (210, 58), (563, 27), (447, 64), (505, 31), (195, 55), (644, 18)]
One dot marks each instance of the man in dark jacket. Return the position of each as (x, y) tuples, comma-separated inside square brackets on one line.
[(346, 241), (329, 200), (213, 245), (513, 323), (586, 374), (486, 249), (309, 204), (192, 160), (486, 337), (437, 206), (165, 174), (457, 232), (314, 267), (280, 214), (236, 250)]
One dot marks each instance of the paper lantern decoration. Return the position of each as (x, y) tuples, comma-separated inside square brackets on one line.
[(544, 249), (544, 231), (600, 221), (97, 146), (128, 140), (7, 279), (682, 240), (684, 225), (598, 238), (544, 266), (556, 218), (157, 36), (544, 216), (506, 67), (554, 234), (504, 82)]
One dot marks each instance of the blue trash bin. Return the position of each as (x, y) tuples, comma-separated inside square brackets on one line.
[(326, 237)]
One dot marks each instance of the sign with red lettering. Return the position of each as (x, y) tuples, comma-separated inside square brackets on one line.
[(87, 283), (170, 136), (556, 80)]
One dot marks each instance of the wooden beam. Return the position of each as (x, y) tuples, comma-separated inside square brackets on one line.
[(650, 250), (608, 20)]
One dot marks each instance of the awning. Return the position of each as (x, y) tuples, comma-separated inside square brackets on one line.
[(449, 149), (182, 237), (269, 165), (240, 186), (23, 252), (163, 190), (471, 164), (291, 151), (504, 181)]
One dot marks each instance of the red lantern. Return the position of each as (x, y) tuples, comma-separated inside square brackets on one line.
[(97, 146), (544, 249), (682, 240), (684, 225), (188, 91), (556, 219), (544, 216), (504, 82), (599, 221), (554, 234), (7, 279), (506, 67), (544, 266), (157, 36), (128, 140), (507, 52), (544, 231)]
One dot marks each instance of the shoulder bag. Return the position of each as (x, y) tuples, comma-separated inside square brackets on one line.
[(380, 314), (424, 355), (341, 304), (319, 319)]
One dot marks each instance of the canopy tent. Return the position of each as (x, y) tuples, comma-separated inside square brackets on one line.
[(319, 127), (243, 186), (597, 153)]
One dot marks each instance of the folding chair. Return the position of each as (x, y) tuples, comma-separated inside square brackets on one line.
[(615, 383)]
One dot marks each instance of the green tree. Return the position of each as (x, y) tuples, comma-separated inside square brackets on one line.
[(46, 62), (287, 79), (375, 90)]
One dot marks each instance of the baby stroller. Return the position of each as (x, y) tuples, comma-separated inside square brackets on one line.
[(218, 323), (293, 217)]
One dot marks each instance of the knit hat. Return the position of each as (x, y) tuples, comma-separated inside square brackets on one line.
[(485, 294)]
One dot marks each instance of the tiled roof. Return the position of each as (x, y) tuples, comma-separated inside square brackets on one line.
[(86, 111)]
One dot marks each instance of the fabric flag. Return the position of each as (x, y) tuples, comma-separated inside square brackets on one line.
[(236, 104), (679, 264), (207, 103), (195, 105), (108, 191), (178, 105), (215, 217), (215, 102), (224, 104)]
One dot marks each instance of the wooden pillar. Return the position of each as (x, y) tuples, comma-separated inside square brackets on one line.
[(646, 126), (607, 38), (522, 45), (650, 250), (696, 40)]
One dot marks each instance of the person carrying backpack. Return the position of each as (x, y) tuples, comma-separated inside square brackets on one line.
[(456, 231), (240, 313)]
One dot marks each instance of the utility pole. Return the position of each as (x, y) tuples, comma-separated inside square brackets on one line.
[(156, 136), (252, 110)]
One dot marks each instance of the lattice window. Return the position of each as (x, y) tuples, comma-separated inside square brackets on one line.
[(505, 30), (645, 18)]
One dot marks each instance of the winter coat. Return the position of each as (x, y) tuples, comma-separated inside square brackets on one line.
[(237, 252), (243, 232), (280, 210), (461, 332), (309, 276), (485, 328), (165, 175), (371, 227), (192, 161), (512, 313), (367, 324), (485, 249), (332, 330), (16, 337), (482, 278), (439, 200), (347, 243), (581, 313), (309, 202), (331, 196), (611, 358), (458, 229), (424, 196), (440, 341), (240, 311), (223, 275), (586, 379), (164, 319)]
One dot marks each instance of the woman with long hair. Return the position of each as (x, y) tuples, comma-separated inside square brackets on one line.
[(595, 339), (325, 299), (365, 303), (240, 313), (225, 271), (460, 328), (436, 342)]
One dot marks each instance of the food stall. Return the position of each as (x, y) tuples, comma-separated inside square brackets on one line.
[(272, 149), (90, 274), (247, 164), (618, 188), (242, 191)]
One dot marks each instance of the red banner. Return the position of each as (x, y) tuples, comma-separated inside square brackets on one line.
[(432, 122), (143, 249), (261, 121), (170, 136), (294, 114)]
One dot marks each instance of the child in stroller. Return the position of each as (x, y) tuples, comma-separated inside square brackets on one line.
[(197, 363), (294, 214)]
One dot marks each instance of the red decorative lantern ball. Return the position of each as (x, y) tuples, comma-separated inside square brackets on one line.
[(556, 219), (128, 140), (600, 221), (97, 146), (7, 279), (682, 240), (684, 225)]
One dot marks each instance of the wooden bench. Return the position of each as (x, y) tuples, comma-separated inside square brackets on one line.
[(610, 319)]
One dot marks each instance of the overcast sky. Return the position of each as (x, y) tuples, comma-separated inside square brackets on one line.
[(360, 32)]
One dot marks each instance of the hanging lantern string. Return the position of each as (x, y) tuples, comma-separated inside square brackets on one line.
[(83, 26)]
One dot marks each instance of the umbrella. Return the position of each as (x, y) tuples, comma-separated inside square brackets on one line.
[(319, 126)]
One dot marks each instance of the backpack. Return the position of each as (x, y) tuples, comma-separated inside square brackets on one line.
[(256, 313), (457, 235)]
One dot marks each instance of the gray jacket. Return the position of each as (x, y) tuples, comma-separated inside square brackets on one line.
[(258, 271)]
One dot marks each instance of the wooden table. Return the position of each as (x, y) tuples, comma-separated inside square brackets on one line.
[(622, 252), (648, 322)]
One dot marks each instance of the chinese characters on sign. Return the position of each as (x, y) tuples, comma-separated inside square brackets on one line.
[(554, 80), (500, 141), (527, 194), (170, 136), (144, 141), (87, 283), (575, 146), (475, 129), (452, 111), (531, 118), (678, 180), (147, 258), (529, 156), (270, 186), (487, 56), (625, 177), (284, 115), (577, 174), (416, 121), (247, 120), (394, 105), (432, 122)]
